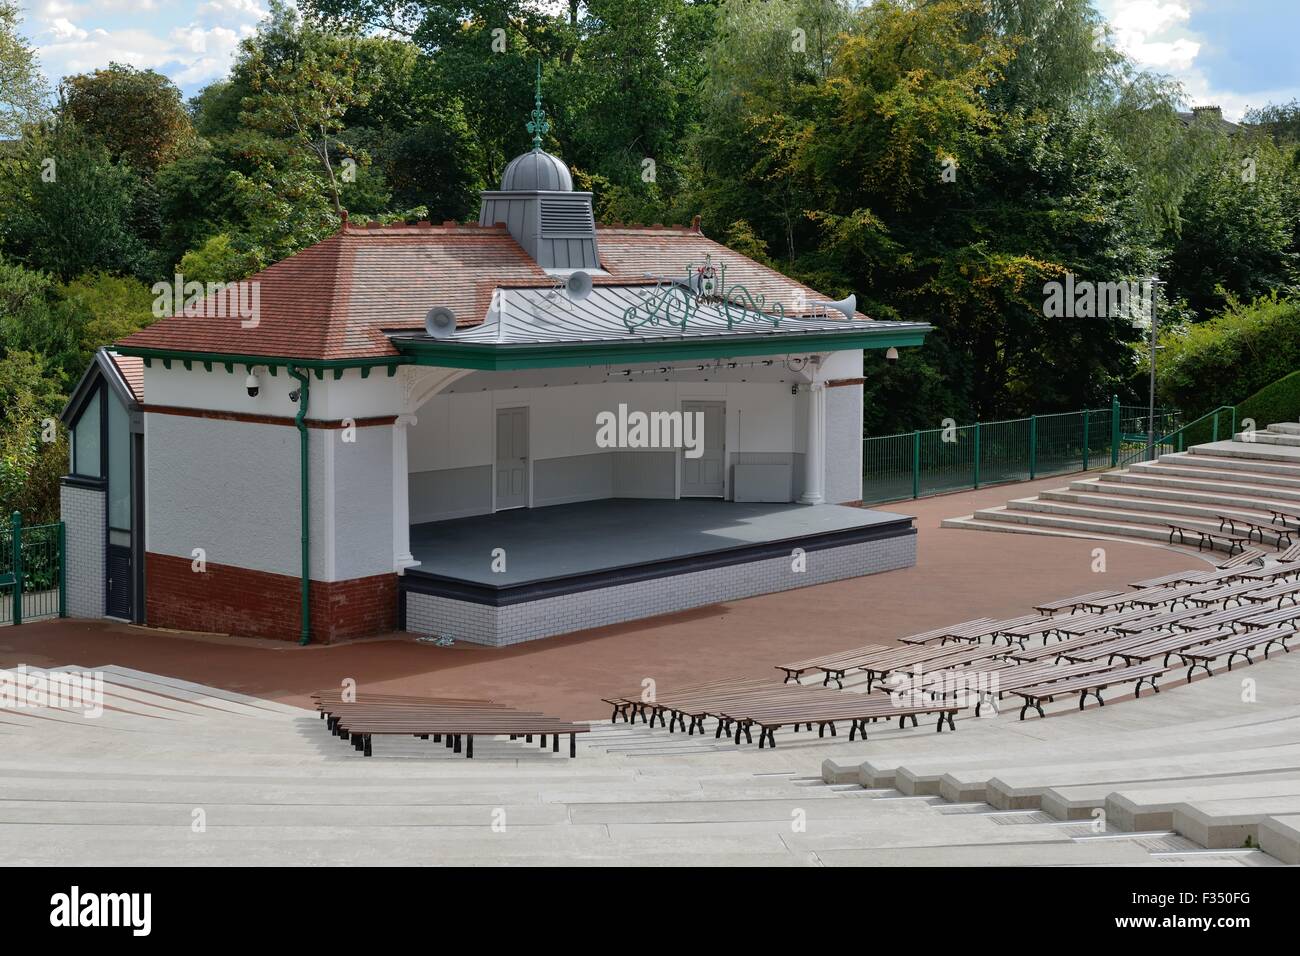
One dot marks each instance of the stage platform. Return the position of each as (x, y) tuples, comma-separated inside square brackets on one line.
[(528, 573)]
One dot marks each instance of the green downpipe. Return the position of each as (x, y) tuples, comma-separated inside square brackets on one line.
[(300, 420)]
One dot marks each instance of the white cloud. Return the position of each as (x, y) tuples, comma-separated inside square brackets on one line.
[(62, 30)]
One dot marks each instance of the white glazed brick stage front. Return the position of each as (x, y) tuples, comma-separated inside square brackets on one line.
[(528, 621)]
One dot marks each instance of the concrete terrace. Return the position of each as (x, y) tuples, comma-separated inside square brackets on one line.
[(1185, 778), (957, 576)]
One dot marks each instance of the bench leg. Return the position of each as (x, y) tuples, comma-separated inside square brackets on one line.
[(555, 743), (573, 745), (469, 746), (366, 751), (456, 746)]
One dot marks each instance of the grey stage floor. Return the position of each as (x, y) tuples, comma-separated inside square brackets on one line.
[(563, 540)]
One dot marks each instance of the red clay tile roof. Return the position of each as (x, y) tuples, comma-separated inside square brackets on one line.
[(331, 300), (132, 372)]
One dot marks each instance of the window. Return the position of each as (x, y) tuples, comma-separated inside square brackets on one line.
[(119, 465), (84, 449)]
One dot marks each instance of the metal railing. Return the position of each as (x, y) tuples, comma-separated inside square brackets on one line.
[(32, 563), (1209, 427), (937, 460)]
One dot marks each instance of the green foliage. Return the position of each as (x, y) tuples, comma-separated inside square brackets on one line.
[(23, 92), (217, 260), (1238, 227), (29, 465), (66, 208), (1279, 402), (136, 114), (1216, 362)]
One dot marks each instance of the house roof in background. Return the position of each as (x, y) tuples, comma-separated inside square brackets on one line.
[(333, 300)]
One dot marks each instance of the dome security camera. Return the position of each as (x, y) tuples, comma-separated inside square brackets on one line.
[(253, 385), (891, 356)]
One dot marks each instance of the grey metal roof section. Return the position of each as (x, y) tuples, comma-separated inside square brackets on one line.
[(537, 204), (546, 316), (537, 171), (557, 229)]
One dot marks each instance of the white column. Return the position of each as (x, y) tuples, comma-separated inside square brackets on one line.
[(814, 459), (402, 557)]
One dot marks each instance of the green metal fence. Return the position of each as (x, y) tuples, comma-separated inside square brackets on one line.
[(1221, 423), (933, 461), (32, 562)]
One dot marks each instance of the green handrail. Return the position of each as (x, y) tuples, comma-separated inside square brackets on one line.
[(1180, 434)]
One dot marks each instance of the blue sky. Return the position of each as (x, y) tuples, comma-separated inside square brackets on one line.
[(1232, 53)]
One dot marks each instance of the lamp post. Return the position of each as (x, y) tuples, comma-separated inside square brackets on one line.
[(1153, 285)]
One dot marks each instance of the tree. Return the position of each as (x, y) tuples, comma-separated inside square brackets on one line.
[(303, 81), (1238, 228), (136, 114), (23, 93), (65, 207)]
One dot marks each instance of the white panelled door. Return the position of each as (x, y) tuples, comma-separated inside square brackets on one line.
[(512, 458), (703, 477)]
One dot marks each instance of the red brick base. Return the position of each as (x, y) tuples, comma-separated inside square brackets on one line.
[(230, 600)]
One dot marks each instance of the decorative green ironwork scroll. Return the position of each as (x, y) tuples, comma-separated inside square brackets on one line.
[(538, 125), (675, 302)]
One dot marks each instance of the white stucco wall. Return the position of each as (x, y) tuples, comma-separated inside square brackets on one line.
[(452, 451)]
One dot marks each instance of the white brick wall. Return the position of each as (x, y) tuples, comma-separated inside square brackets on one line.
[(82, 510), (516, 623)]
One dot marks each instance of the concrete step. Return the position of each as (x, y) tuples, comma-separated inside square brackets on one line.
[(1282, 490), (1080, 802), (1264, 463), (1138, 512), (1279, 836), (1095, 521), (1268, 438), (1165, 509), (1285, 428), (1153, 807), (1252, 450)]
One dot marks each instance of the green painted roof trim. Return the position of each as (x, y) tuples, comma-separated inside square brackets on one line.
[(484, 356), (271, 362), (487, 356)]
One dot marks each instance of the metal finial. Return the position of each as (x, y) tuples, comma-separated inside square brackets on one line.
[(538, 125)]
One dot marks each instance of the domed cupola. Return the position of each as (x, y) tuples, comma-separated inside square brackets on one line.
[(536, 202), (535, 171)]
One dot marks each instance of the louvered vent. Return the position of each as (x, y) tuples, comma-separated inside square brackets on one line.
[(566, 220)]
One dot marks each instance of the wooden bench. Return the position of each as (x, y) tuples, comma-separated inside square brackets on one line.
[(1269, 618), (1239, 592), (860, 711), (1074, 603), (1227, 617), (1234, 542), (1283, 515), (1247, 556), (1168, 645), (1091, 685), (1177, 577), (1184, 617), (1239, 645), (1290, 554), (1033, 674), (831, 664), (957, 632), (1253, 528), (1282, 590), (361, 715)]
